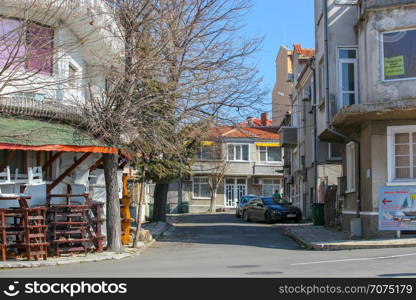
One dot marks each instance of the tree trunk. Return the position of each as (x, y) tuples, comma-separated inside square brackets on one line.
[(160, 198), (113, 203), (213, 203)]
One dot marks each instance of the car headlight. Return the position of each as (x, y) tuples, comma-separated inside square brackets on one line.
[(277, 212)]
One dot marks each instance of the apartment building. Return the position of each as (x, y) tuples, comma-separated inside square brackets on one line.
[(53, 56), (283, 86), (366, 96), (248, 154), (311, 166)]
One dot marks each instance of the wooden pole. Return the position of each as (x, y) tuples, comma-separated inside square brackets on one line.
[(139, 210)]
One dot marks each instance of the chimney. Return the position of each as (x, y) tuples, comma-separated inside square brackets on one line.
[(264, 118), (250, 121)]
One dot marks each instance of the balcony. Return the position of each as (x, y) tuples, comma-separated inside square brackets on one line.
[(370, 4), (288, 137), (47, 109), (240, 168)]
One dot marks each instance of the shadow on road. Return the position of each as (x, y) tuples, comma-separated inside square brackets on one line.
[(226, 229)]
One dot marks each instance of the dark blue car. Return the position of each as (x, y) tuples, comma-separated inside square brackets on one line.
[(243, 202), (269, 210)]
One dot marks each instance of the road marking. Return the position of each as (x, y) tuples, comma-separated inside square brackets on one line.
[(353, 259)]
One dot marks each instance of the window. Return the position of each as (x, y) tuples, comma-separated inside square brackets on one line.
[(399, 55), (32, 49), (401, 141), (348, 76), (72, 75), (269, 154), (39, 43), (321, 78), (211, 152), (269, 186), (201, 187), (351, 166), (335, 151), (238, 152)]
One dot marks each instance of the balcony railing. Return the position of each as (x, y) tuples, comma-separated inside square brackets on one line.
[(46, 109)]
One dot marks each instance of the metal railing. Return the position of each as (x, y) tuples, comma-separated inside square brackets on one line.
[(45, 109)]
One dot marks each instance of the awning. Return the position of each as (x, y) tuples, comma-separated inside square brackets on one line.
[(268, 144), (332, 136), (34, 135)]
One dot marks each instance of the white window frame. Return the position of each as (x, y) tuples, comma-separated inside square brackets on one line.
[(391, 167), (322, 83), (383, 77), (193, 188), (267, 161), (340, 61), (351, 166), (239, 144)]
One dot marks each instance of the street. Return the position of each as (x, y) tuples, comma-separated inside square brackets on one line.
[(221, 245)]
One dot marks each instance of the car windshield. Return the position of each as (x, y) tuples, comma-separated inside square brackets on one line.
[(245, 199), (273, 201)]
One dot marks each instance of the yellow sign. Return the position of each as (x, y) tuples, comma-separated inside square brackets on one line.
[(207, 143), (394, 66), (268, 144)]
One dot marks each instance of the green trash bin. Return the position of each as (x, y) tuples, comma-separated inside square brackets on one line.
[(150, 214), (185, 207), (318, 213)]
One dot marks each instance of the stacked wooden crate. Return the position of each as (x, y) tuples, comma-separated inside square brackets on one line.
[(23, 232), (68, 224)]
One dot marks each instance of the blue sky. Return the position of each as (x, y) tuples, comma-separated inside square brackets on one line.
[(282, 22)]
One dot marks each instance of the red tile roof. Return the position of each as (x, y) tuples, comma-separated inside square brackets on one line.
[(305, 52), (266, 133)]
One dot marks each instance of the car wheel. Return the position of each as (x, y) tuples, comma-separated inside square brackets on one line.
[(298, 219), (237, 213), (268, 218), (246, 218)]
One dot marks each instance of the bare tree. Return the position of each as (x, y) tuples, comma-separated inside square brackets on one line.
[(216, 167)]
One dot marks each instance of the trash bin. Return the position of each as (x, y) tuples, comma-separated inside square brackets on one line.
[(150, 214), (185, 207), (318, 213)]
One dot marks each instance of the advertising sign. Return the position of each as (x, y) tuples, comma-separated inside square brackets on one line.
[(394, 66), (397, 208)]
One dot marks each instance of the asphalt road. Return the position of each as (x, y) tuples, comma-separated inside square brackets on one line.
[(223, 246)]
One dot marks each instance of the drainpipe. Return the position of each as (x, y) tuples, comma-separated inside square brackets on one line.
[(315, 135), (326, 58)]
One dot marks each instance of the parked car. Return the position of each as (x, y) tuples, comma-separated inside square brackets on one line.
[(269, 210), (242, 203)]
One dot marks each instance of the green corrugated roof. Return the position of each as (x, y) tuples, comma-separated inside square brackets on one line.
[(38, 133)]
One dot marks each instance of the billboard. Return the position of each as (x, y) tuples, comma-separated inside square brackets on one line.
[(397, 208)]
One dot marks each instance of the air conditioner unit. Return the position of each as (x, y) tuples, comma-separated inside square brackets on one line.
[(257, 181)]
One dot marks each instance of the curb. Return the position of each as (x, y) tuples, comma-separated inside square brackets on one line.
[(97, 257), (294, 237), (344, 245), (72, 260)]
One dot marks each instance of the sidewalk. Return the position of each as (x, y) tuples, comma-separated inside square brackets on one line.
[(323, 238), (156, 230)]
